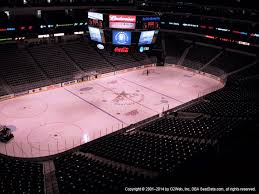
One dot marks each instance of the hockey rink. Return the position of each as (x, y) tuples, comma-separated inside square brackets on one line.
[(53, 121)]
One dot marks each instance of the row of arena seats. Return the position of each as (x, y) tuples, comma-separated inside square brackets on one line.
[(54, 62), (238, 99), (174, 49), (119, 61), (77, 173), (230, 61), (163, 154), (195, 60), (202, 128), (18, 176), (19, 70), (237, 95), (24, 69), (199, 55), (141, 58), (250, 83), (2, 90), (249, 72), (87, 58), (244, 110)]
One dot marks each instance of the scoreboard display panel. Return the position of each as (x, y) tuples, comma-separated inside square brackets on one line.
[(121, 37), (95, 19), (151, 23), (146, 37), (96, 34)]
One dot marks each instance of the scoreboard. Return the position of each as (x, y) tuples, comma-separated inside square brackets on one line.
[(151, 22), (121, 33)]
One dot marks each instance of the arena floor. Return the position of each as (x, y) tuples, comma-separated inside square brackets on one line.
[(50, 122)]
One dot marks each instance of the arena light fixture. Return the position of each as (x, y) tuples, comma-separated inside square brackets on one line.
[(43, 36), (80, 32), (59, 34)]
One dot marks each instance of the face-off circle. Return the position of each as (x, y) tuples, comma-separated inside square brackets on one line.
[(20, 108), (55, 133)]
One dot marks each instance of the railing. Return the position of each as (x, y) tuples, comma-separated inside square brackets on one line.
[(214, 71), (207, 91)]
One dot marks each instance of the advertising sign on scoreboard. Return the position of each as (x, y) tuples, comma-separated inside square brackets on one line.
[(121, 38), (121, 49), (122, 25), (122, 21), (146, 37), (143, 48), (151, 18), (122, 18)]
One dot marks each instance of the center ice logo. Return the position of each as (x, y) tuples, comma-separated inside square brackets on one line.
[(124, 98)]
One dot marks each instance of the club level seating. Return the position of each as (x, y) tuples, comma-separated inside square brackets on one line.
[(80, 174), (87, 58), (230, 61), (54, 62), (146, 151), (17, 176), (203, 128), (19, 70), (199, 55)]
